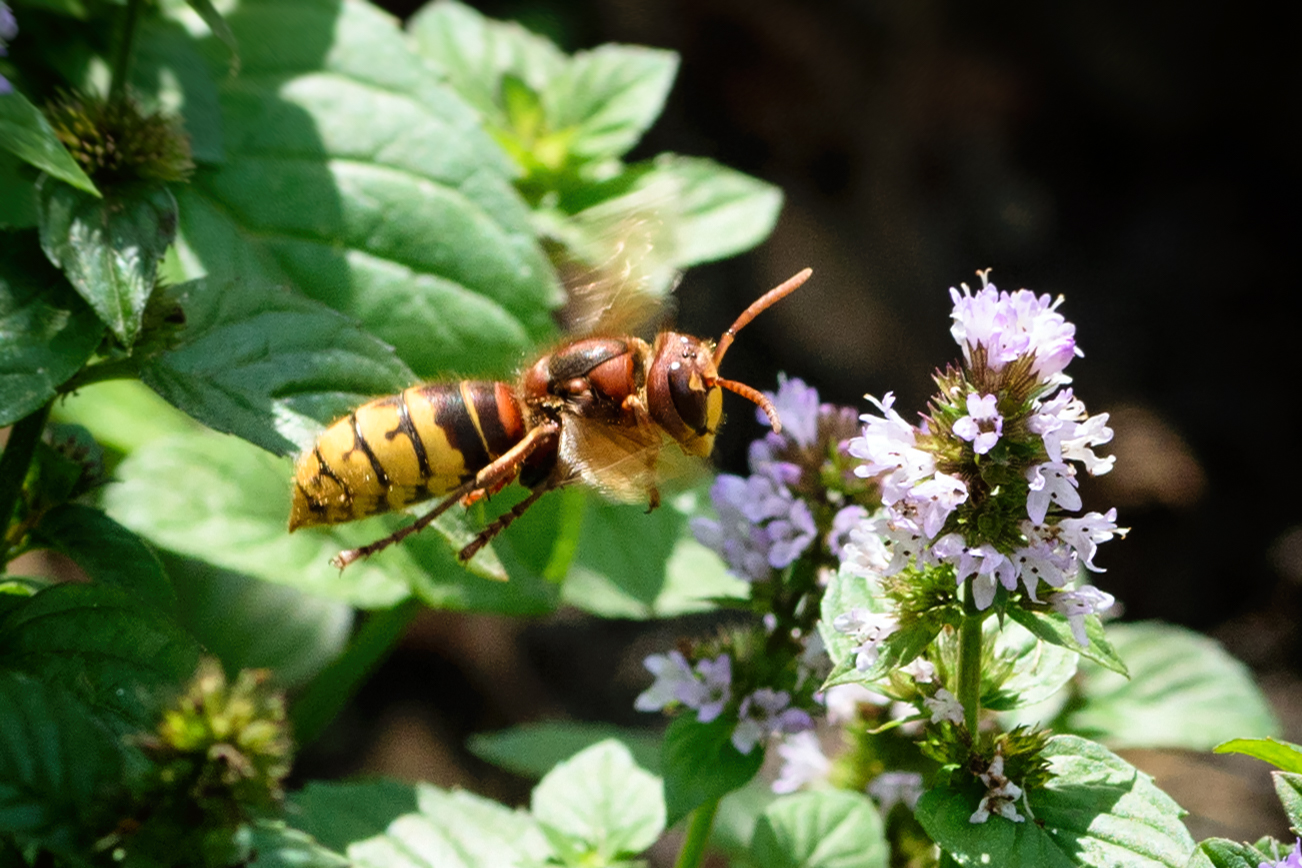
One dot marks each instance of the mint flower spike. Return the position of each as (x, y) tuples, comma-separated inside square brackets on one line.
[(706, 689), (1292, 860), (1009, 327)]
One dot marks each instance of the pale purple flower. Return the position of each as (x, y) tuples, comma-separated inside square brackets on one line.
[(1010, 326), (1043, 559), (1069, 432), (843, 700), (672, 673), (798, 407), (982, 426), (1001, 795), (893, 788), (1085, 533), (764, 713), (1292, 860), (865, 554), (803, 762), (710, 692), (935, 499), (944, 706), (1051, 482), (790, 535), (889, 446), (920, 669), (868, 630), (990, 566), (1085, 600), (740, 541)]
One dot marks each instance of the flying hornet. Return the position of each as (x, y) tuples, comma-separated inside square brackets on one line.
[(597, 411)]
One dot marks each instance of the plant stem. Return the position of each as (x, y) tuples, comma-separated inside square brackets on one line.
[(337, 683), (17, 457), (698, 833), (122, 60), (969, 660)]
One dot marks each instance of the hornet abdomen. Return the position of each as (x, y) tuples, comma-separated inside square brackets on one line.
[(403, 449)]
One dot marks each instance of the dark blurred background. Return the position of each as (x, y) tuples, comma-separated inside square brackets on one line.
[(1134, 157)]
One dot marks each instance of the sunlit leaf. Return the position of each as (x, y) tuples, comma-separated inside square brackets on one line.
[(828, 829)]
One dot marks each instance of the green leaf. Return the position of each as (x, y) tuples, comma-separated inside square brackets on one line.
[(272, 844), (109, 247), (108, 552), (26, 134), (609, 97), (599, 805), (122, 414), (253, 360), (1222, 853), (1032, 671), (122, 658), (1184, 692), (532, 749), (17, 194), (445, 830), (1288, 786), (48, 331), (1097, 810), (630, 564), (354, 174), (1055, 629), (700, 764), (717, 212), (829, 829), (1283, 755), (226, 502), (251, 624), (59, 767), (337, 814), (477, 53)]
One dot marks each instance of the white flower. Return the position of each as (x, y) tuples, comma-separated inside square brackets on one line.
[(1052, 481), (803, 762), (1085, 600), (888, 445), (868, 630), (935, 499), (982, 426), (921, 670), (1000, 797), (1085, 533), (944, 706), (892, 788), (843, 701)]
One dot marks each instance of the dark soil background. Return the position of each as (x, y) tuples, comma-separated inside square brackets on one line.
[(1134, 157)]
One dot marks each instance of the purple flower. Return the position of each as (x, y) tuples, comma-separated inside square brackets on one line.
[(1007, 327), (710, 691), (761, 525), (672, 672), (8, 30), (798, 407), (764, 713), (894, 788)]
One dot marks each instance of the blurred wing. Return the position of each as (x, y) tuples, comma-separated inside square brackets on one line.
[(615, 260), (625, 463)]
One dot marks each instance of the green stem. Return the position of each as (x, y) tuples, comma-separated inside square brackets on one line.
[(698, 834), (17, 457), (122, 60), (969, 660), (331, 690), (121, 369)]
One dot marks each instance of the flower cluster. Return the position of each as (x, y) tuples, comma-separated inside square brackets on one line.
[(801, 488), (986, 483), (8, 30), (1292, 860), (707, 689)]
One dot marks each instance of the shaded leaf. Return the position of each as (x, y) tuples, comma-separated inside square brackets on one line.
[(17, 194), (253, 360), (1097, 810), (532, 749), (169, 73), (26, 134), (122, 658), (108, 247), (59, 766), (700, 764), (272, 844), (251, 624), (219, 28), (337, 814), (1184, 691), (828, 829), (46, 331), (108, 552), (1288, 786)]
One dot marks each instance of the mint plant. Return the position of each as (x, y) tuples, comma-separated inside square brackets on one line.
[(221, 230)]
